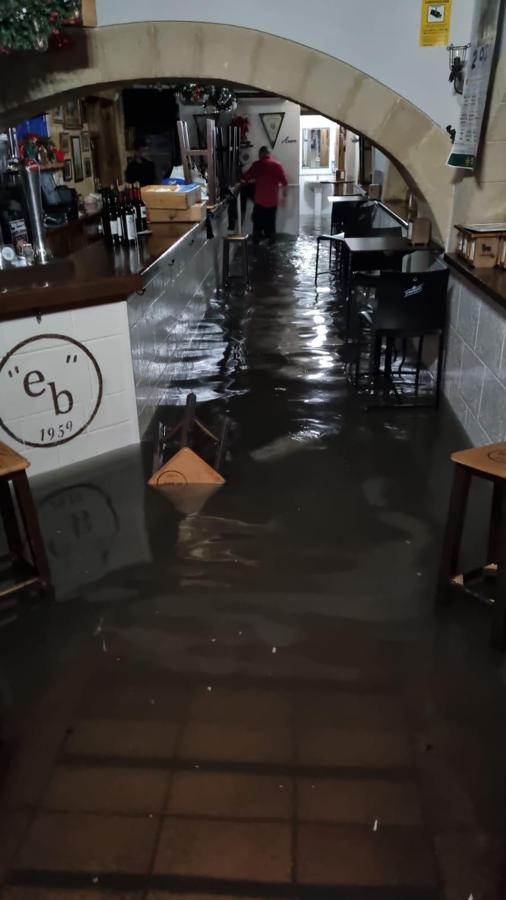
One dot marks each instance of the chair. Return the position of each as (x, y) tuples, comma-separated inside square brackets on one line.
[(343, 215), (407, 306), (352, 222), (36, 573), (489, 463), (241, 242)]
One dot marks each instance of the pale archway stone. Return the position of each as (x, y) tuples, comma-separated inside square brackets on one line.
[(118, 55)]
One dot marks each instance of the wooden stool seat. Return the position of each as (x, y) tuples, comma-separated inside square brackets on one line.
[(489, 464), (10, 461), (242, 241), (489, 461), (34, 573)]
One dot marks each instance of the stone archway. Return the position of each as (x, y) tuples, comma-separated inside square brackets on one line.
[(117, 55)]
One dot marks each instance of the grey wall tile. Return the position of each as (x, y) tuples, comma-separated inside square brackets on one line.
[(476, 434), (492, 413), (471, 379), (454, 290), (457, 402), (502, 371), (468, 315), (453, 359), (490, 335)]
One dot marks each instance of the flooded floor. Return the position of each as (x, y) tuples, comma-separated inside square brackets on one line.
[(256, 698)]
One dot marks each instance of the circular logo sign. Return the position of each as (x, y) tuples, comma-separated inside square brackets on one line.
[(50, 390)]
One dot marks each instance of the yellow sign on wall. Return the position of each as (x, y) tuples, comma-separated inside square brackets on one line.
[(435, 25)]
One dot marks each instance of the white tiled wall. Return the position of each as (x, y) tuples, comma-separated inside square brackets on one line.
[(104, 331), (162, 316), (475, 369)]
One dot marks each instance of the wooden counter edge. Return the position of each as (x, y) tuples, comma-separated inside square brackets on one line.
[(56, 298)]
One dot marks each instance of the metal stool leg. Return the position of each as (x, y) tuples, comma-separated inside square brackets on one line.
[(246, 263), (453, 533), (32, 527), (226, 262), (317, 260)]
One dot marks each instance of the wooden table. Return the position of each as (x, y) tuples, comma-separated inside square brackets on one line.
[(348, 198)]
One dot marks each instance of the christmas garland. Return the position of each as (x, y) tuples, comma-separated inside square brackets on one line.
[(34, 24), (207, 95)]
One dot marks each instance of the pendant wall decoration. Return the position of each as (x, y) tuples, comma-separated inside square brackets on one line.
[(272, 123)]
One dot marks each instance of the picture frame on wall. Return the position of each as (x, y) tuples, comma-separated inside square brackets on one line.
[(67, 170), (85, 141), (58, 115), (77, 159), (65, 142), (87, 167), (72, 115)]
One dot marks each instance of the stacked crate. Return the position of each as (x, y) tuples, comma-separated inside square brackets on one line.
[(173, 209), (482, 246)]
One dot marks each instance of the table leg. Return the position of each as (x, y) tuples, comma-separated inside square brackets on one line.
[(453, 532), (499, 611)]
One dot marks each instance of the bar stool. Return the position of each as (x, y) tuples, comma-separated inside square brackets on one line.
[(488, 462), (334, 241), (34, 574), (240, 241)]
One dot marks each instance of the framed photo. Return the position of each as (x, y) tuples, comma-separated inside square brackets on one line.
[(58, 115), (77, 159), (65, 142), (87, 167), (67, 170), (72, 115), (85, 141)]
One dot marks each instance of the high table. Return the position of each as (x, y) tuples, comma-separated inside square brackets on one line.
[(375, 249)]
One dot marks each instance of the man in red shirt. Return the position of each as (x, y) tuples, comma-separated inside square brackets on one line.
[(268, 175)]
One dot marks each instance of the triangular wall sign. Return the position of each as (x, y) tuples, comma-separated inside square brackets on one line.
[(272, 123)]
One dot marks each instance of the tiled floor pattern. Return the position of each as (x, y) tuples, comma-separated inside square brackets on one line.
[(247, 791)]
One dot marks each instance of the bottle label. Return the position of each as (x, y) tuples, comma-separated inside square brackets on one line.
[(119, 226), (131, 229), (114, 227)]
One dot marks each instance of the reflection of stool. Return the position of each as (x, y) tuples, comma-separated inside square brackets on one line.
[(487, 462), (35, 574), (241, 242)]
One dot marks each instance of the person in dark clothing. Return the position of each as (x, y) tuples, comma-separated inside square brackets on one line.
[(268, 176), (141, 169)]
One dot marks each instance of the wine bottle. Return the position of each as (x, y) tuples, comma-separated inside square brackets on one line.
[(115, 218), (140, 210), (130, 235)]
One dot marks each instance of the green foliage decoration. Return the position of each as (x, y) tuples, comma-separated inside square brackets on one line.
[(29, 24)]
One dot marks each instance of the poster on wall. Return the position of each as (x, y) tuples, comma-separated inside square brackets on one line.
[(464, 153), (272, 123), (435, 23)]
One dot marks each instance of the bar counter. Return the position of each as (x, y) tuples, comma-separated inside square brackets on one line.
[(93, 274), (89, 343)]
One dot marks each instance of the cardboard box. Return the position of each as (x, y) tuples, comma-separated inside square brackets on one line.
[(419, 232), (501, 255), (479, 247), (170, 229), (374, 192), (193, 214), (171, 196)]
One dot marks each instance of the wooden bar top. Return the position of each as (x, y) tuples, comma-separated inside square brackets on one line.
[(491, 281), (93, 274)]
